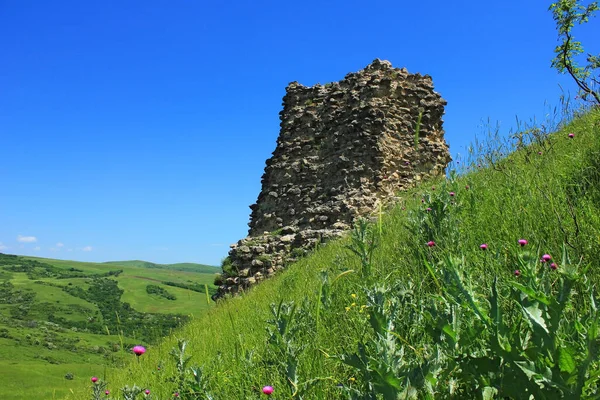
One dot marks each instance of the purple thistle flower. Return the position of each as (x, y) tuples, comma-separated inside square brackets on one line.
[(546, 257), (483, 246), (267, 390), (431, 243), (94, 379), (138, 350), (571, 135), (523, 242), (517, 272)]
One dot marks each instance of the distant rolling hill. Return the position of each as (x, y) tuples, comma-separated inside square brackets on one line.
[(62, 318), (190, 267)]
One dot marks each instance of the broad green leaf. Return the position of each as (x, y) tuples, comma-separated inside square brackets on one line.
[(292, 366), (465, 293), (535, 316), (565, 359), (532, 294), (565, 292), (447, 329), (392, 381), (378, 321), (353, 361), (432, 273), (387, 384), (431, 378), (528, 368), (504, 343), (489, 393)]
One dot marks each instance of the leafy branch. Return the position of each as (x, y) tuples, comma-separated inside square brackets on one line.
[(567, 13)]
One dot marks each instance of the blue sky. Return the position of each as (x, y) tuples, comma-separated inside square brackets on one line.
[(140, 129)]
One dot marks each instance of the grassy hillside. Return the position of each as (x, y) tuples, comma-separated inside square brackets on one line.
[(438, 299), (191, 267), (63, 318)]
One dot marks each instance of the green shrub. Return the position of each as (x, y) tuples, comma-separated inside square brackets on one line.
[(160, 292)]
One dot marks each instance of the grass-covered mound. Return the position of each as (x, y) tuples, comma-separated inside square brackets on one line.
[(480, 285)]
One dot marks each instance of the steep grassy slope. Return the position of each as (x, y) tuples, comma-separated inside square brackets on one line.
[(547, 192), (61, 317)]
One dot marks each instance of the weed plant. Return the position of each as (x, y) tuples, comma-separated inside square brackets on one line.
[(481, 284)]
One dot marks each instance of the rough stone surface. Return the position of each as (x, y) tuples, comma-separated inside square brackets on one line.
[(343, 148)]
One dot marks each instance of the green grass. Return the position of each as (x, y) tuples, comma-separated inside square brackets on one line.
[(190, 267), (552, 199), (187, 302), (136, 276), (35, 356), (24, 380)]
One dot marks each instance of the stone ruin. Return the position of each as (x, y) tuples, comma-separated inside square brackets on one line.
[(344, 148)]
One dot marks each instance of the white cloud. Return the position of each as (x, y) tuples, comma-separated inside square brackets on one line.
[(3, 247), (87, 248), (37, 248), (57, 247), (26, 239)]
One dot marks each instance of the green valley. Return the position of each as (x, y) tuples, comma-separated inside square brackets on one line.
[(61, 319)]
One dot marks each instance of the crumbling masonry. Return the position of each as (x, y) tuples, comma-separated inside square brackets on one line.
[(343, 148)]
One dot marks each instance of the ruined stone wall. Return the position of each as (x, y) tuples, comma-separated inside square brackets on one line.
[(343, 148)]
